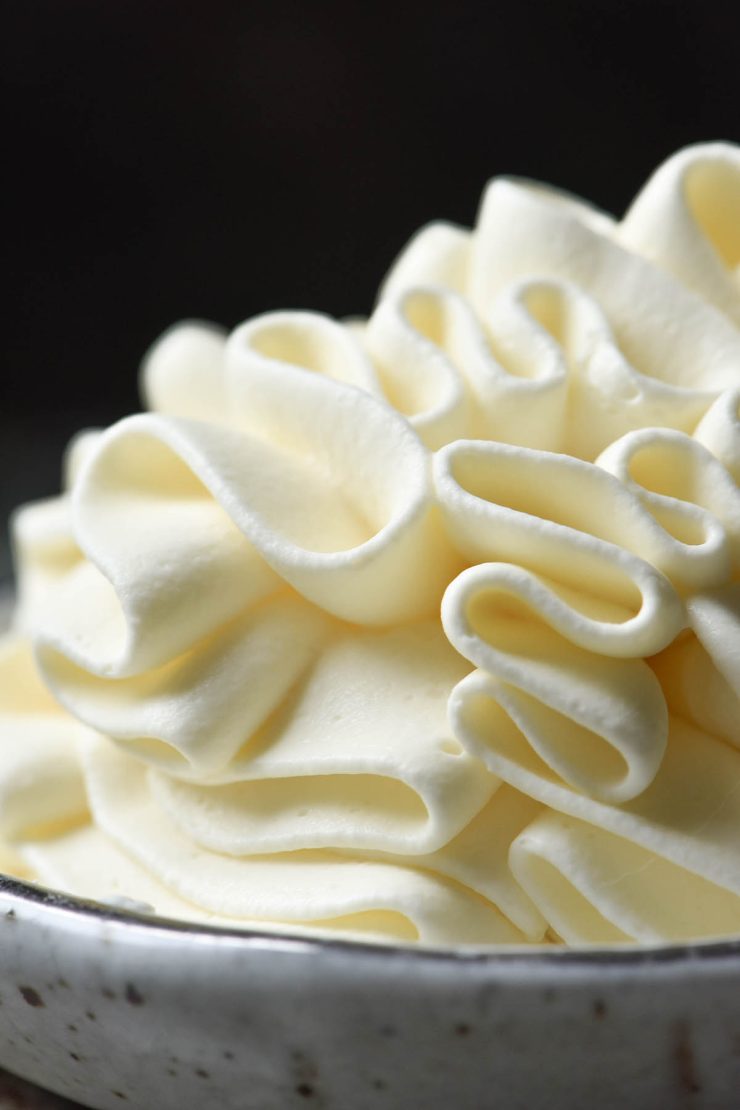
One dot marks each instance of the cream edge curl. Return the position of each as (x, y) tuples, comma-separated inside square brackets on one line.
[(424, 627)]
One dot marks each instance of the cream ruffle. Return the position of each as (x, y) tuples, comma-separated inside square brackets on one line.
[(424, 627)]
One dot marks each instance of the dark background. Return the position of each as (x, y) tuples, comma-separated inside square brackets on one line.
[(216, 159)]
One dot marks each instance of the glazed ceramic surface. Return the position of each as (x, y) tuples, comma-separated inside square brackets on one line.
[(118, 1010)]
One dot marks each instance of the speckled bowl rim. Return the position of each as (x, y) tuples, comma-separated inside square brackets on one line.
[(725, 950)]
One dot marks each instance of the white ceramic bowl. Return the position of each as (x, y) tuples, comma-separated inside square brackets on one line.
[(116, 1010)]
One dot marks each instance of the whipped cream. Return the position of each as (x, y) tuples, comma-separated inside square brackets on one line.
[(424, 627)]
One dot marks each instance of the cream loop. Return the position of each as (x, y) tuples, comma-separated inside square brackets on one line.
[(599, 723)]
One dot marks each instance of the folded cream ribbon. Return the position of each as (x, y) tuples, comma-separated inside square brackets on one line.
[(236, 604)]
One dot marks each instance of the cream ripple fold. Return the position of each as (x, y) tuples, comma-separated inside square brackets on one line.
[(422, 627)]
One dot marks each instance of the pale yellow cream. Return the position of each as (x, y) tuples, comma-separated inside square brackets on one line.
[(424, 627)]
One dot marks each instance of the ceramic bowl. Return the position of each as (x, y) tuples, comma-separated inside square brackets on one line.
[(117, 1009)]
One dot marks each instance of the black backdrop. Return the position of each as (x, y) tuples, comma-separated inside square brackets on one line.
[(217, 159)]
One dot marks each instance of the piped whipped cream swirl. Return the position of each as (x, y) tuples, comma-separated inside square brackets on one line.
[(420, 627)]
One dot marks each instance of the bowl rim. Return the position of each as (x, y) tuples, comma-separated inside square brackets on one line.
[(715, 952)]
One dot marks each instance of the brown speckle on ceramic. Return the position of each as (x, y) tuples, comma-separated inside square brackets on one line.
[(685, 1060), (133, 996), (31, 996), (305, 1074)]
